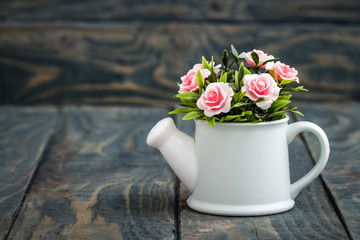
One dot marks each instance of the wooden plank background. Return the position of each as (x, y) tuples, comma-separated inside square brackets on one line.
[(342, 174), (93, 176), (24, 135), (130, 52), (99, 180)]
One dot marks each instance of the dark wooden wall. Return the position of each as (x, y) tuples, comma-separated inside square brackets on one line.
[(134, 52)]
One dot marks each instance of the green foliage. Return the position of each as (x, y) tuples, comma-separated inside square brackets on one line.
[(255, 57), (242, 108), (213, 76), (238, 96), (225, 59), (280, 103), (240, 75), (275, 76), (267, 61), (246, 71), (239, 104), (183, 110), (189, 103), (188, 96), (192, 115), (205, 64), (229, 118), (282, 113), (288, 89), (283, 82), (234, 52), (223, 77), (200, 82), (211, 121)]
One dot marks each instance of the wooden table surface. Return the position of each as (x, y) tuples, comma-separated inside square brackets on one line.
[(85, 172)]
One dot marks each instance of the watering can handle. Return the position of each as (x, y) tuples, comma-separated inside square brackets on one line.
[(293, 130)]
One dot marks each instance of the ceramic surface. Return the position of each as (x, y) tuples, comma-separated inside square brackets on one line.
[(237, 169)]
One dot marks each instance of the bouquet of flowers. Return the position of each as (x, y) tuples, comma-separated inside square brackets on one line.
[(255, 93)]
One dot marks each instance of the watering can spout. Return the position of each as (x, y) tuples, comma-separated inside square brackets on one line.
[(177, 148)]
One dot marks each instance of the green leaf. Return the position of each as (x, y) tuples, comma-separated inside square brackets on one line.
[(235, 97), (205, 64), (240, 76), (294, 111), (212, 77), (189, 103), (285, 81), (278, 104), (267, 61), (212, 62), (242, 95), (184, 110), (248, 113), (239, 104), (238, 96), (261, 100), (241, 71), (255, 57), (281, 113), (211, 121), (192, 115), (253, 119), (246, 71), (278, 117), (284, 97), (232, 85), (259, 116), (223, 77), (239, 119), (274, 114), (229, 118), (225, 59), (288, 89), (188, 95), (200, 81), (236, 75), (275, 76), (234, 52), (235, 55)]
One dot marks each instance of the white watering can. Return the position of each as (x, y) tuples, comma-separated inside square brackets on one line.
[(237, 169)]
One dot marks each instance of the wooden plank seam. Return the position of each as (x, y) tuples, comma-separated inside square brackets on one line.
[(177, 220), (324, 184), (43, 156)]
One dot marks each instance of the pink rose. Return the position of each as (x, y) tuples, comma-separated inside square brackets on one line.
[(261, 86), (263, 57), (200, 66), (215, 99), (283, 71), (189, 82)]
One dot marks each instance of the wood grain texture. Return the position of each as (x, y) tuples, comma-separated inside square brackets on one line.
[(99, 180), (24, 133), (312, 217), (209, 10), (341, 123), (141, 63)]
